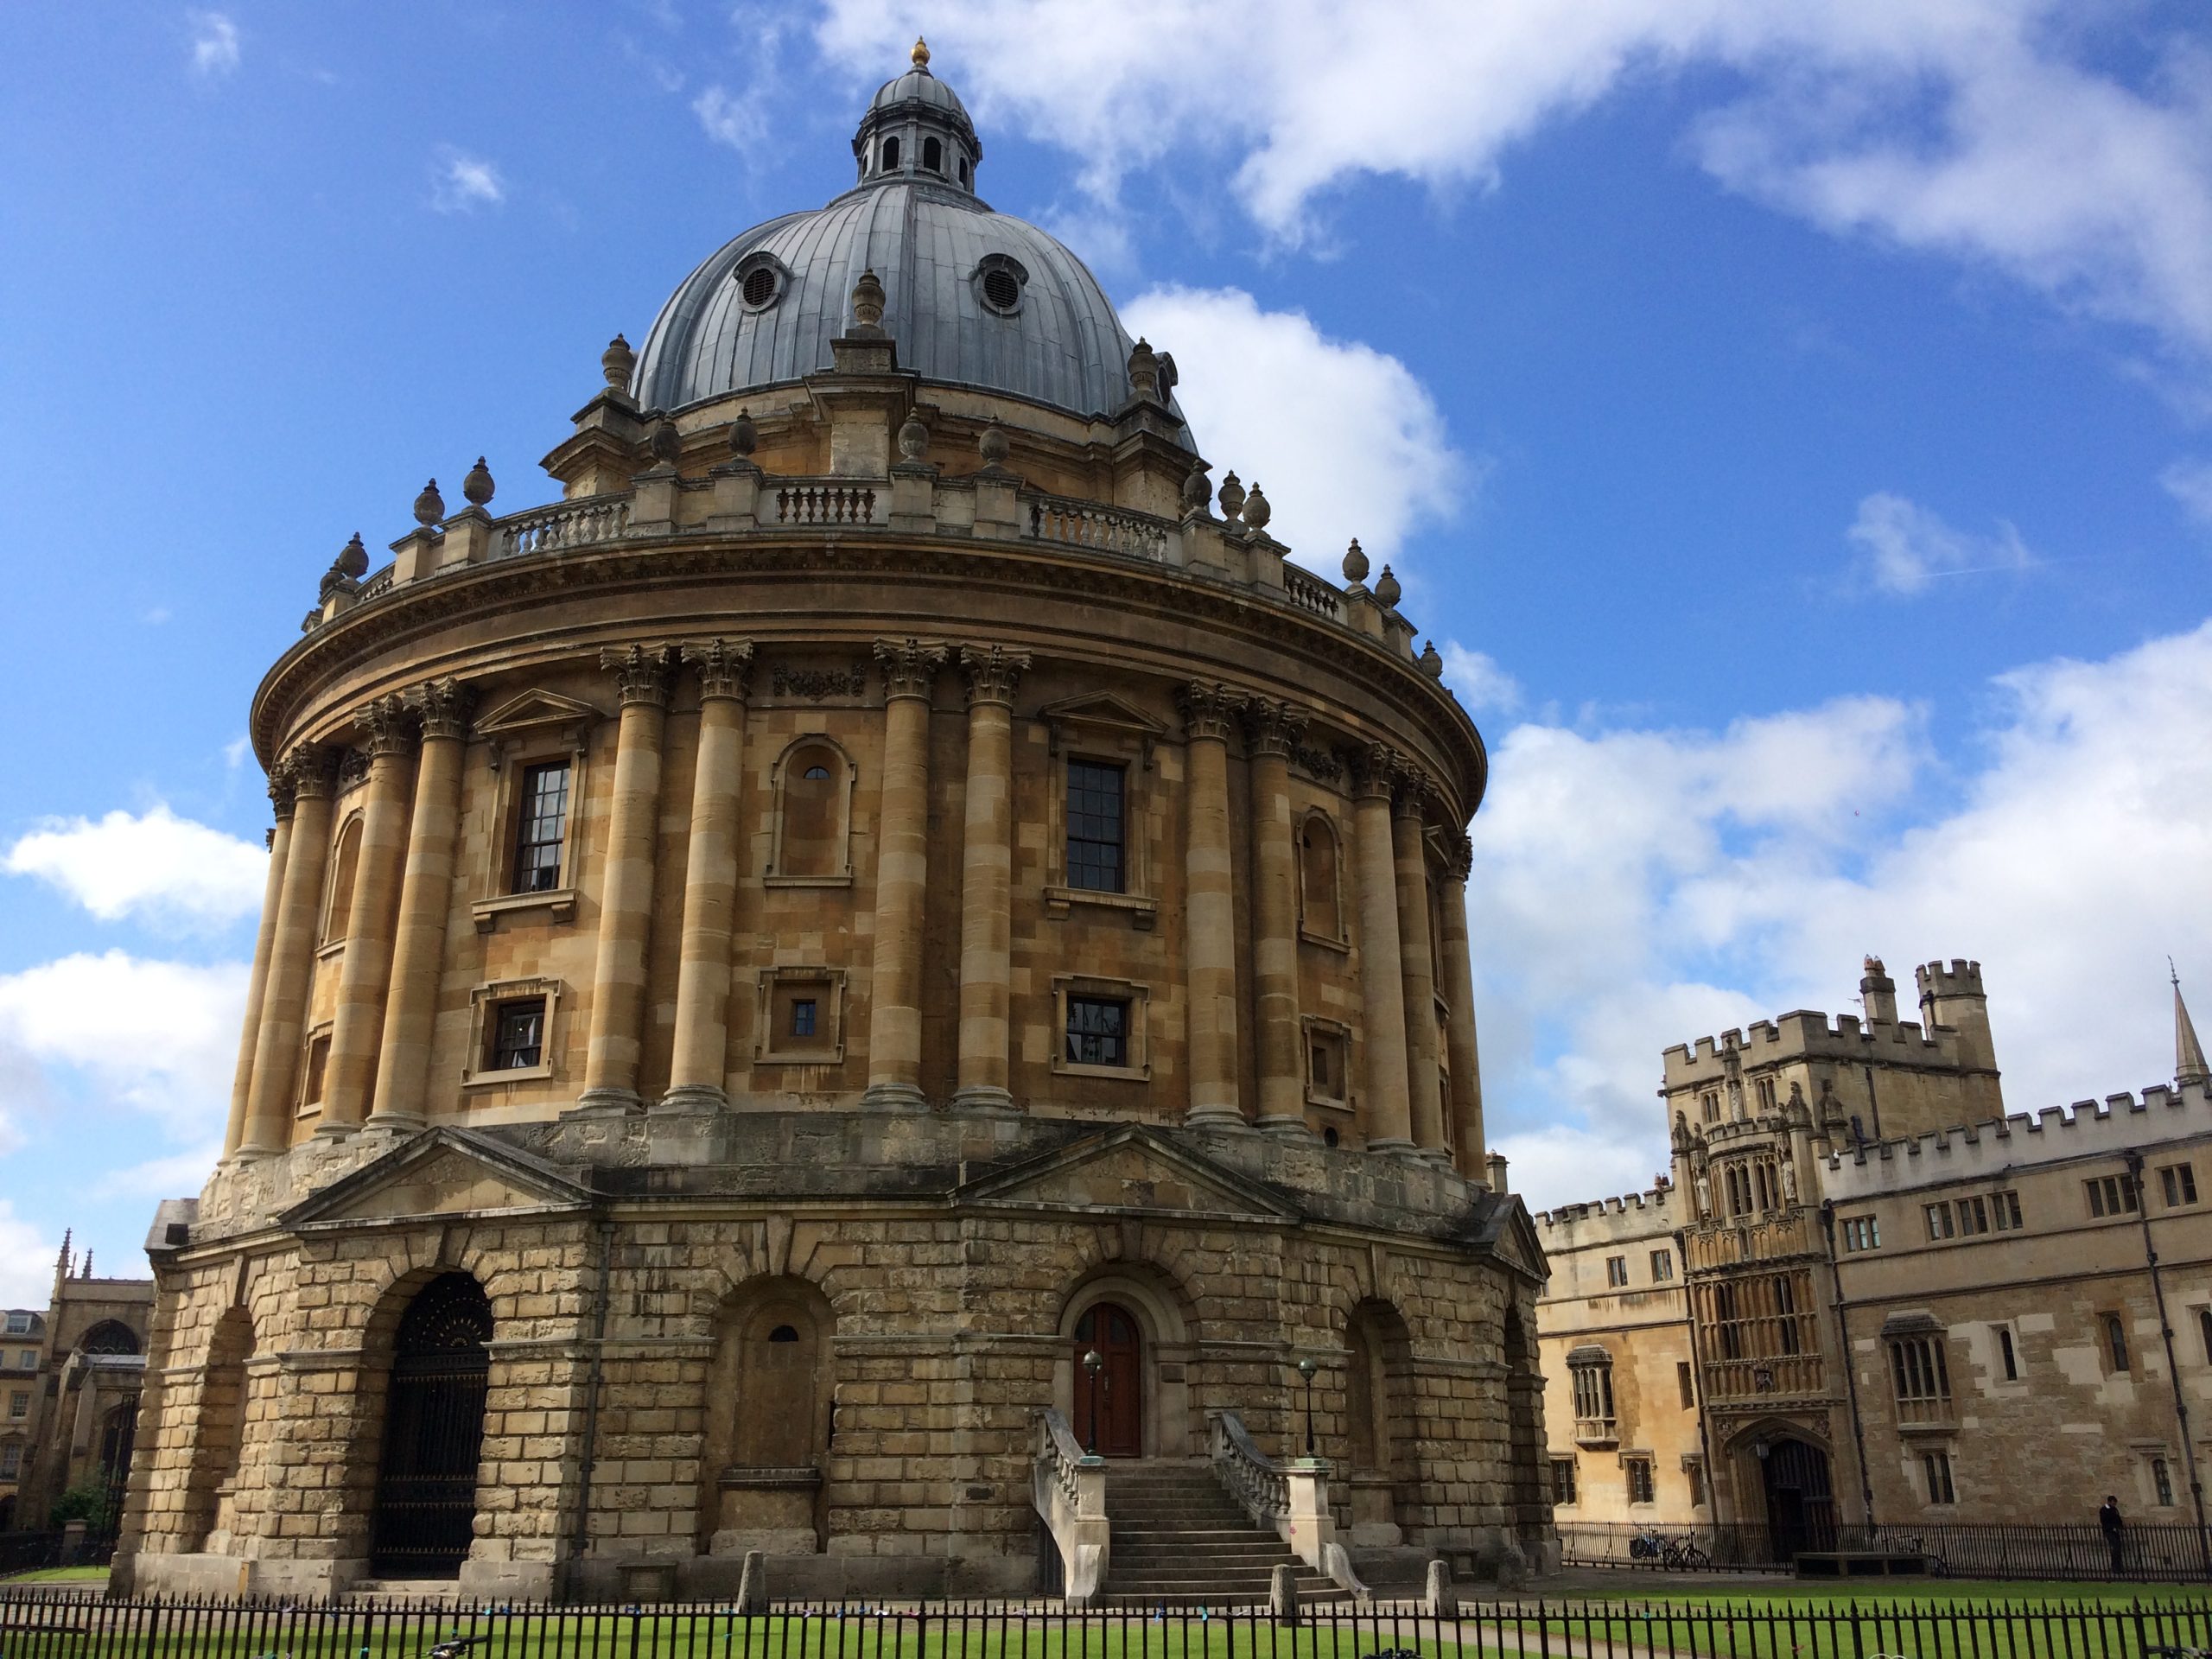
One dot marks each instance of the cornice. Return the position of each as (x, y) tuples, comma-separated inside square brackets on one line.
[(889, 560)]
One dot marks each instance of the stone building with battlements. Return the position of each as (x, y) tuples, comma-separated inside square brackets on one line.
[(878, 967), (1886, 1300)]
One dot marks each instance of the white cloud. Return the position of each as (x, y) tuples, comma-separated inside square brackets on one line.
[(1482, 685), (1906, 546), (215, 43), (1636, 889), (1982, 130), (235, 751), (153, 867), (729, 120), (155, 1036), (2189, 482), (462, 183), (161, 1178), (1377, 463), (27, 1261)]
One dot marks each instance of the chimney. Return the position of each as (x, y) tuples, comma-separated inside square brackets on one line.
[(1495, 1167), (1879, 993)]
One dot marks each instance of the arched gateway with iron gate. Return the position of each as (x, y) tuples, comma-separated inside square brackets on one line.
[(434, 1430)]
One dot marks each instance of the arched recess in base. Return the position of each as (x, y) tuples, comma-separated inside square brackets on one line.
[(1158, 1360), (1524, 1415), (424, 1516), (1380, 1471), (219, 1433), (767, 1445)]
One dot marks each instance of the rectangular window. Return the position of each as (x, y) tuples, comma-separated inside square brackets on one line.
[(2007, 1355), (19, 1404), (1662, 1266), (1940, 1225), (2161, 1482), (518, 1035), (1098, 1031), (1562, 1481), (1684, 1385), (1860, 1233), (1936, 1467), (803, 1016), (2204, 1330), (1766, 1094), (1923, 1378), (1639, 1479), (2180, 1183), (18, 1324), (2005, 1209), (11, 1462), (1616, 1270), (318, 1063), (26, 1360), (1094, 827), (1710, 1103), (2111, 1195), (1974, 1216), (1594, 1399), (541, 821), (1695, 1471)]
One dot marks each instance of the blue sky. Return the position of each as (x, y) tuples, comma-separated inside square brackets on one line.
[(1791, 420)]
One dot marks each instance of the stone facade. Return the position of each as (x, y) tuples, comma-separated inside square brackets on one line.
[(769, 943)]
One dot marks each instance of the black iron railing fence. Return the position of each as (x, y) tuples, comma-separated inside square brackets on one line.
[(2148, 1554), (33, 1626)]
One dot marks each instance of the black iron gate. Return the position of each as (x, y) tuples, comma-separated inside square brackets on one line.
[(118, 1436), (1800, 1510), (434, 1431)]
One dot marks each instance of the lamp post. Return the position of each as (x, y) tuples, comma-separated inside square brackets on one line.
[(1091, 1362), (1305, 1369)]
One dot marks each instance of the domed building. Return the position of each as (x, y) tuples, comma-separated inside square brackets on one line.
[(878, 984)]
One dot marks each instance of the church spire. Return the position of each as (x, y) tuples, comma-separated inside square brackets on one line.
[(2189, 1054)]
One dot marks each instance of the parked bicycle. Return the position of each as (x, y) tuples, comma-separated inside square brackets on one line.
[(1650, 1545)]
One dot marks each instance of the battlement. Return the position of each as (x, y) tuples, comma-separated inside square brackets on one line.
[(1633, 1215), (2086, 1129), (1959, 979), (1805, 1034)]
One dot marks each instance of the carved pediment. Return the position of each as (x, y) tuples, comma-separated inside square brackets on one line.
[(1100, 710), (439, 1172), (534, 711), (1131, 1168), (1508, 1233)]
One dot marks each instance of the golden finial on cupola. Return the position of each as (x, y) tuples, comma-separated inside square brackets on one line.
[(920, 53)]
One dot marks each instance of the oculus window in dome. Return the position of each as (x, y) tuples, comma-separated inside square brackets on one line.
[(973, 296)]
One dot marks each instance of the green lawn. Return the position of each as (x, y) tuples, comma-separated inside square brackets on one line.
[(59, 1575)]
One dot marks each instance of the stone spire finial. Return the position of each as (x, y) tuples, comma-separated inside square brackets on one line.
[(2190, 1070), (617, 362), (477, 486), (1257, 510), (1355, 563), (1387, 591), (868, 305), (920, 54), (429, 506)]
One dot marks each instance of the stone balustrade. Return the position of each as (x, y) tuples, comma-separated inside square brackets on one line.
[(1068, 1486), (1292, 1499)]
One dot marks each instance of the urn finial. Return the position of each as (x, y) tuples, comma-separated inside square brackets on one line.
[(1198, 488), (1256, 510), (1387, 591), (913, 438), (743, 436), (617, 363), (1355, 563), (665, 442), (994, 446), (1431, 663), (868, 304), (477, 486), (1231, 497), (429, 506), (1144, 370), (354, 558)]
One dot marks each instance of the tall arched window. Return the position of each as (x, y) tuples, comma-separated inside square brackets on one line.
[(2116, 1341), (1320, 911), (343, 865), (768, 1421), (932, 156), (891, 156), (814, 788), (219, 1428), (425, 1516)]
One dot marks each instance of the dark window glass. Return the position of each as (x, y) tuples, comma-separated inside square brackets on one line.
[(1098, 1031), (518, 1034), (784, 1333), (2116, 1341), (890, 154), (1639, 1481), (1094, 827), (932, 155), (540, 827), (816, 774), (2005, 1353), (803, 1016)]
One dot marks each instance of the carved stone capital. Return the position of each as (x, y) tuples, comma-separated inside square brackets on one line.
[(993, 672), (724, 667), (387, 724), (1458, 858), (283, 785), (313, 769), (1376, 768), (1274, 728), (910, 666), (642, 672), (1208, 707), (1415, 790), (442, 707)]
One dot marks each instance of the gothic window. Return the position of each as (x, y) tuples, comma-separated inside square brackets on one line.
[(2204, 1331), (1941, 1225), (1974, 1216), (2005, 1209), (339, 908), (1591, 1369), (2115, 1334), (1616, 1271), (1662, 1266), (1922, 1378), (814, 791), (1320, 907), (1861, 1233), (2179, 1182), (1765, 1086), (1935, 1470), (541, 828), (1639, 1479), (1094, 819), (2007, 1356), (1709, 1103)]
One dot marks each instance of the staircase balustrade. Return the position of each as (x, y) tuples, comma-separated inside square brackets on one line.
[(1068, 1486), (1293, 1498)]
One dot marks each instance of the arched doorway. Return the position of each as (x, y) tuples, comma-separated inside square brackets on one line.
[(767, 1427), (1800, 1509), (1378, 1435), (425, 1512), (1115, 1395)]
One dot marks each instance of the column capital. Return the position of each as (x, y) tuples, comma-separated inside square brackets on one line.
[(313, 769), (284, 785), (910, 666), (1459, 857), (1415, 788), (724, 667), (1274, 727), (388, 725), (1376, 768), (1208, 707), (642, 671), (993, 672), (442, 707)]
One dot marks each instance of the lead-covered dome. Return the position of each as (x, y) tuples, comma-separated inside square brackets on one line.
[(972, 297)]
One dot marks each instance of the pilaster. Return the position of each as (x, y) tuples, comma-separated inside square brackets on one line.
[(1210, 914), (1274, 729), (986, 877), (1381, 990), (910, 671), (700, 1062)]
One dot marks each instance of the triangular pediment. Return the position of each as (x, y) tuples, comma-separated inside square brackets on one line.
[(1134, 1169), (1102, 709), (1506, 1231), (439, 1172), (533, 710)]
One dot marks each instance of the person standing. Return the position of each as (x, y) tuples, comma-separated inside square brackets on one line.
[(2115, 1531)]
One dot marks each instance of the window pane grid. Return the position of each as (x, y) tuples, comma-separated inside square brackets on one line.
[(1094, 827), (540, 827), (1098, 1031), (519, 1035)]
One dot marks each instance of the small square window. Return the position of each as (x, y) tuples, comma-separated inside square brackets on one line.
[(19, 1404), (1098, 1031), (800, 1018), (1662, 1266), (802, 1009), (518, 1035)]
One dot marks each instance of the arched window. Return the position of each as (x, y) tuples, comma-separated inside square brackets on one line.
[(108, 1337), (963, 169), (424, 1519), (1320, 910), (932, 156), (219, 1428), (814, 789), (2116, 1341), (339, 908), (891, 156)]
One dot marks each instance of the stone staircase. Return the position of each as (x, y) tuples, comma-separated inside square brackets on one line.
[(1178, 1537)]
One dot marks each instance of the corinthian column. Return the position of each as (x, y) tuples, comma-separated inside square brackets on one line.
[(894, 1032), (1459, 1023), (1382, 987), (418, 951), (364, 973), (1274, 729), (987, 876), (626, 902), (291, 956), (272, 892), (1417, 960), (702, 1054), (1210, 915)]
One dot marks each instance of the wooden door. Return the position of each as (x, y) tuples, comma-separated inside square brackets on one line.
[(1117, 1395)]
